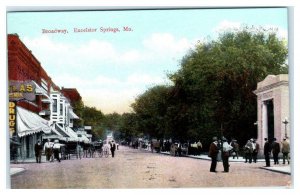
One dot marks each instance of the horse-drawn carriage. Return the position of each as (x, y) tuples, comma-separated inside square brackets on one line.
[(71, 149), (100, 150)]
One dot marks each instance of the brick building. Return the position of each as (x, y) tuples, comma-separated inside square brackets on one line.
[(72, 94), (48, 114)]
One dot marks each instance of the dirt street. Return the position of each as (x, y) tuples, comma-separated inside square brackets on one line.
[(133, 168)]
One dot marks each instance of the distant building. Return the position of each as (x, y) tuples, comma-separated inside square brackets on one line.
[(71, 93)]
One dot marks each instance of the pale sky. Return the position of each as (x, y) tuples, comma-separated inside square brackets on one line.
[(111, 69)]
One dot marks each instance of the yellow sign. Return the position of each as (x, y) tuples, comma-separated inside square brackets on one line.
[(12, 117), (19, 90)]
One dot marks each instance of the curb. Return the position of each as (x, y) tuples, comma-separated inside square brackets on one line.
[(14, 171), (276, 170)]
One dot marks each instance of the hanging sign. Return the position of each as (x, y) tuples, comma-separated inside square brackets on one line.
[(19, 90), (12, 111)]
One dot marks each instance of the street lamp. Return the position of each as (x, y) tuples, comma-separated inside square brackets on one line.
[(285, 122)]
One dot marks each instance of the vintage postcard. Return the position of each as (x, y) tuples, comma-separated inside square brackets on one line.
[(149, 98)]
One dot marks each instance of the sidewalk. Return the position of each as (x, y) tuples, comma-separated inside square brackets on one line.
[(14, 171), (18, 166), (285, 169)]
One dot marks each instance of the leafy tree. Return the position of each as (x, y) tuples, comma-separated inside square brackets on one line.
[(217, 79), (150, 109), (93, 117), (78, 108), (128, 127)]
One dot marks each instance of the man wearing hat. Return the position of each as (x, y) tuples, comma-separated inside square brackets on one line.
[(38, 151), (267, 152), (112, 148), (225, 154), (275, 151), (285, 150), (56, 150), (213, 153), (248, 149), (48, 149), (255, 150)]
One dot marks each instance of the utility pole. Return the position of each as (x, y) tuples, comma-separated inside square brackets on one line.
[(285, 122)]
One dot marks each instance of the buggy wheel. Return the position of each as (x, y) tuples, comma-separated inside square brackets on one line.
[(100, 153), (106, 153)]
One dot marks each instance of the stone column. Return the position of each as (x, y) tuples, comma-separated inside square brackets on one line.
[(264, 119)]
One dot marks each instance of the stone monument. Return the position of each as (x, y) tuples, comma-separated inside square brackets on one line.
[(272, 109)]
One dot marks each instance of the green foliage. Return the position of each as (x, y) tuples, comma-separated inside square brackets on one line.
[(78, 108), (150, 109), (217, 79)]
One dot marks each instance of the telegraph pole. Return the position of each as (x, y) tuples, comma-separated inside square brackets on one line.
[(285, 122)]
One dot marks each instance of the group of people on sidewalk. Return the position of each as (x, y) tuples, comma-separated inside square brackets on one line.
[(274, 147), (52, 150), (213, 153), (251, 149)]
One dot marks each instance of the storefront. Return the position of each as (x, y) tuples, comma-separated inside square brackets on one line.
[(30, 128)]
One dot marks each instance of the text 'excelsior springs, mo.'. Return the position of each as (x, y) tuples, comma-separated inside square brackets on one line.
[(88, 30)]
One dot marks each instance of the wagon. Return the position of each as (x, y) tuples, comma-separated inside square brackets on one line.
[(97, 149), (156, 145), (72, 149)]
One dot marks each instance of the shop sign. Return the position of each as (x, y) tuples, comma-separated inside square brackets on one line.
[(12, 117), (19, 90)]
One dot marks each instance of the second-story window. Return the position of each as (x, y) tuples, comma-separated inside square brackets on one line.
[(61, 109), (54, 105)]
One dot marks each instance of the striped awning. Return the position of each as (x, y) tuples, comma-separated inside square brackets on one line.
[(30, 123)]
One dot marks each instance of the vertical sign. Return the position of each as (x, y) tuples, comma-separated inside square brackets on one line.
[(12, 107)]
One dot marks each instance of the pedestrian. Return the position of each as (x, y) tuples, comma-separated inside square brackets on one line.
[(48, 149), (56, 150), (235, 148), (199, 146), (285, 149), (112, 148), (225, 154), (213, 153), (38, 149), (267, 152), (255, 150), (151, 146), (275, 151), (248, 151)]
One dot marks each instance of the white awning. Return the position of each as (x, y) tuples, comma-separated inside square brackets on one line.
[(72, 115), (72, 134), (83, 138), (30, 123)]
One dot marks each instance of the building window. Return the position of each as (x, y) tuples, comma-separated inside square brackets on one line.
[(61, 109), (44, 84), (55, 105)]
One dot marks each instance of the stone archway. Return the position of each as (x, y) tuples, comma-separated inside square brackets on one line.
[(272, 108)]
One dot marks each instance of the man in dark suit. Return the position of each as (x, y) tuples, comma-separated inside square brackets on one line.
[(275, 151), (112, 148), (267, 152), (213, 153), (38, 149)]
